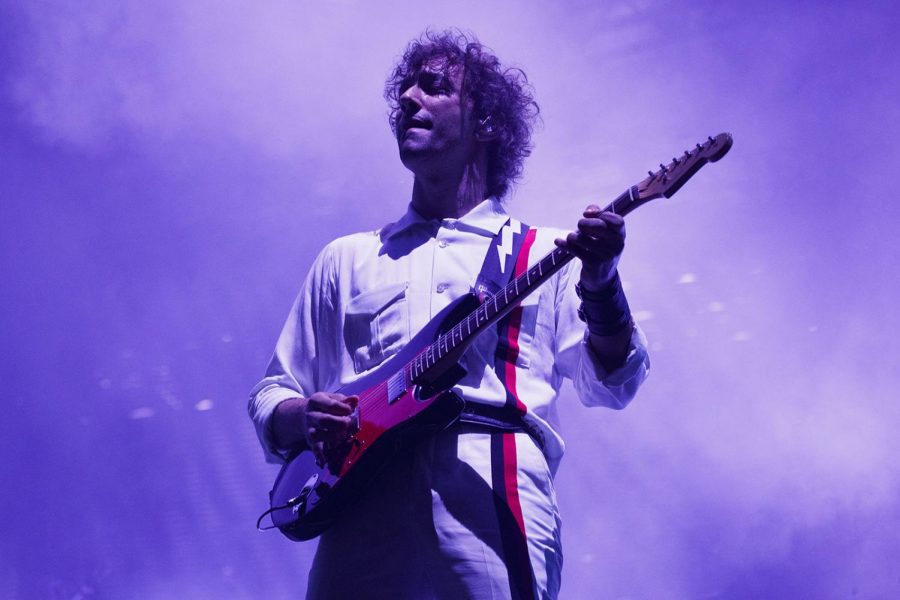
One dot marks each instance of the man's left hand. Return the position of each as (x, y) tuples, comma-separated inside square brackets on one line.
[(598, 243)]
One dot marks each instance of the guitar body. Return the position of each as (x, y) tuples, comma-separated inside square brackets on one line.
[(392, 414)]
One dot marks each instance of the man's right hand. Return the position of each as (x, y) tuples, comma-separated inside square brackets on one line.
[(318, 423)]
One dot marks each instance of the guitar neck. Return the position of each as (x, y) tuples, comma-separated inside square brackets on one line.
[(660, 184), (498, 305)]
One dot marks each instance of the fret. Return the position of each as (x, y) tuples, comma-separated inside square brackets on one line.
[(622, 204)]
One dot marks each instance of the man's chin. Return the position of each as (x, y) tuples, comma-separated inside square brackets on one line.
[(411, 153)]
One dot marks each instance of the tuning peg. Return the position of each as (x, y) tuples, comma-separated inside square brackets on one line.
[(709, 137), (675, 161), (650, 173), (699, 147), (662, 168)]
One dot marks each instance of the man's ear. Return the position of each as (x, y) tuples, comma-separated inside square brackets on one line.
[(486, 131)]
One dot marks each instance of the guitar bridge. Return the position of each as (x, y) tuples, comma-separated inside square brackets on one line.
[(354, 421)]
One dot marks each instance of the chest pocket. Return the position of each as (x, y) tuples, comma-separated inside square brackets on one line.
[(376, 325)]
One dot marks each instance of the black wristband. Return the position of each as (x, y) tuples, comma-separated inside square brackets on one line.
[(605, 311)]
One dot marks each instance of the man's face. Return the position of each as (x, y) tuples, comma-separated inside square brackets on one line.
[(435, 129)]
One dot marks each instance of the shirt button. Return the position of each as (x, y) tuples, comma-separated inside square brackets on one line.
[(442, 243), (442, 287)]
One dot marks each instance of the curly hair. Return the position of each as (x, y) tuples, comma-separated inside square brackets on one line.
[(502, 95)]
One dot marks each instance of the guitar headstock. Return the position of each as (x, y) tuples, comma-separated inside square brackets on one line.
[(669, 178)]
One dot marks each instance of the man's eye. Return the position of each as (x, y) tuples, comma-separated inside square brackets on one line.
[(435, 84)]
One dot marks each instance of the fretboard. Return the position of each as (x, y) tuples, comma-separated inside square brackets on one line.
[(496, 306)]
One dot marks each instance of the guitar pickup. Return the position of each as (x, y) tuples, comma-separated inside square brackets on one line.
[(396, 386)]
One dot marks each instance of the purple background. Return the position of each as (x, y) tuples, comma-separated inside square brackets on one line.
[(168, 171)]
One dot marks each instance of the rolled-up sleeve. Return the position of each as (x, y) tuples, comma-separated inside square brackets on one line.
[(615, 389), (296, 366), (576, 359)]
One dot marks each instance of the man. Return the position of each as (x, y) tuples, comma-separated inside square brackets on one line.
[(470, 512)]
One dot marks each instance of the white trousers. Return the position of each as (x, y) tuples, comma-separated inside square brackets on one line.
[(470, 513)]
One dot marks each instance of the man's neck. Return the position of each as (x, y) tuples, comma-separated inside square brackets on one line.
[(449, 198)]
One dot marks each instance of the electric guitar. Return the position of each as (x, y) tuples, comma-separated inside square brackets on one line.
[(407, 398)]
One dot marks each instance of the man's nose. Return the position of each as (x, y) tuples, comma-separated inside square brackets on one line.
[(409, 100)]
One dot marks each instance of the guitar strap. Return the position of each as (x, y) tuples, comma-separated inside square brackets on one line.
[(500, 260), (506, 258)]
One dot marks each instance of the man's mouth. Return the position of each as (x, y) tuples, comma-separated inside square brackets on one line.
[(416, 124)]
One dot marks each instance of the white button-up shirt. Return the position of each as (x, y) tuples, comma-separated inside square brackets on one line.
[(367, 294)]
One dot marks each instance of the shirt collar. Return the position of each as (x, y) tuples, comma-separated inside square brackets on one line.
[(485, 219)]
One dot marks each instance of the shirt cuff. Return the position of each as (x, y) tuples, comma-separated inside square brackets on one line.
[(617, 387), (262, 407)]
